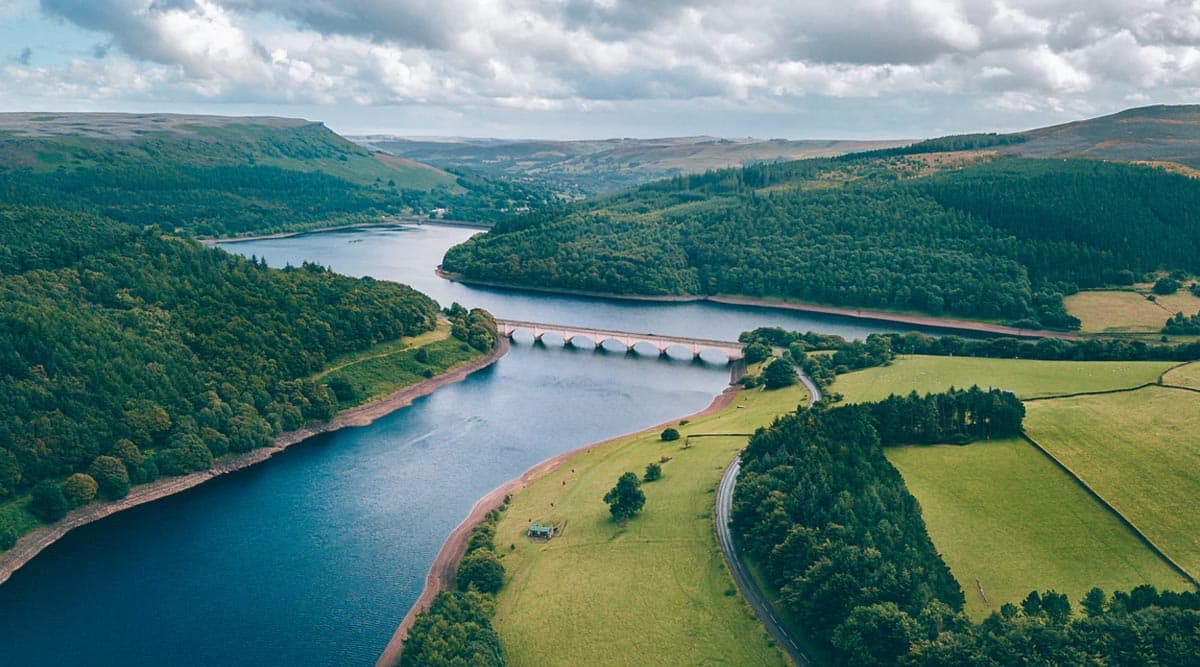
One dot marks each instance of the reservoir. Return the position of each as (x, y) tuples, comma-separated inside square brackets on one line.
[(313, 557)]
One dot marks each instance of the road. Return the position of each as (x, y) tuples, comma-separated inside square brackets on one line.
[(750, 590)]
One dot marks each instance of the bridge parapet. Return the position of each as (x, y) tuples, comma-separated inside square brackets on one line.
[(729, 349)]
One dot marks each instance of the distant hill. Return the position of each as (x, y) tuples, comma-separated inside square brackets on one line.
[(215, 176), (1147, 134), (977, 225), (590, 167)]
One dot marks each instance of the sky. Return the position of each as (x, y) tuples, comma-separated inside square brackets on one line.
[(564, 69)]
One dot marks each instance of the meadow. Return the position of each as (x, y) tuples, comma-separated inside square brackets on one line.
[(1008, 521), (654, 591), (1184, 376), (1027, 378), (1137, 450), (1128, 311)]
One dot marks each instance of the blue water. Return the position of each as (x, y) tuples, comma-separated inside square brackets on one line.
[(314, 557)]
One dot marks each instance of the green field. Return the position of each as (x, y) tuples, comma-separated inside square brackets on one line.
[(1140, 452), (392, 366), (1184, 376), (653, 592), (1006, 518), (1127, 311), (1024, 377)]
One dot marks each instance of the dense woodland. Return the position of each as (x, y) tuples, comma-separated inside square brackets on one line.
[(122, 343), (843, 543), (1004, 239)]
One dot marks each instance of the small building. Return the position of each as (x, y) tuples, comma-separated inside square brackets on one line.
[(539, 532)]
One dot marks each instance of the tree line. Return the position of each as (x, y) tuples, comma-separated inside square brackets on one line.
[(1001, 240), (843, 543)]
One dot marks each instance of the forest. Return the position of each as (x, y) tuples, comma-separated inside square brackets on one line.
[(842, 542), (999, 239), (126, 353)]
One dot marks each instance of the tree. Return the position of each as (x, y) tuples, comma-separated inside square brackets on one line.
[(779, 373), (875, 635), (480, 570), (669, 434), (112, 477), (79, 489), (47, 502), (1093, 603), (756, 352), (1164, 286), (653, 472), (8, 536), (626, 498)]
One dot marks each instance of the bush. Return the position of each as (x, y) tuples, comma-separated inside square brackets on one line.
[(343, 390), (1166, 286), (8, 536), (79, 489), (653, 472), (669, 434), (47, 501), (111, 476), (480, 570)]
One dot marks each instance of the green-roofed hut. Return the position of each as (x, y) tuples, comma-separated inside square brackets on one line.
[(539, 532)]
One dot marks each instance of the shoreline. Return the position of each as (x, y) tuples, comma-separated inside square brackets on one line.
[(33, 542), (441, 576), (862, 314), (356, 225)]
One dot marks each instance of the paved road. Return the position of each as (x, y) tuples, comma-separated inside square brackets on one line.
[(754, 595)]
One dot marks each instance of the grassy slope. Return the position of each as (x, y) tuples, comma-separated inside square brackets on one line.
[(1137, 450), (654, 592), (1184, 376), (1114, 311), (1025, 378), (1004, 515)]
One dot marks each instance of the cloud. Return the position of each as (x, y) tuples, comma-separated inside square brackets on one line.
[(564, 55)]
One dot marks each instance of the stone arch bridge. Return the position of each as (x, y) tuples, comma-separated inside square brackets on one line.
[(730, 349)]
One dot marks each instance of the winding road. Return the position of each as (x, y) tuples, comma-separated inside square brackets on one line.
[(746, 584)]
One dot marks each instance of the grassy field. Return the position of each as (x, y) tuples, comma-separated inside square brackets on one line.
[(1116, 311), (1025, 378), (655, 591), (1006, 518), (1140, 452), (1184, 376), (392, 366)]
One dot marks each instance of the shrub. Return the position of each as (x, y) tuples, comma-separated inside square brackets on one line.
[(111, 476), (8, 536), (79, 489), (343, 390), (653, 472), (1166, 286), (47, 501), (669, 434), (480, 570)]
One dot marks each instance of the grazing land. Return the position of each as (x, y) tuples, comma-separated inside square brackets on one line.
[(1184, 376), (1139, 452), (1009, 521), (1128, 311), (1027, 378), (655, 591)]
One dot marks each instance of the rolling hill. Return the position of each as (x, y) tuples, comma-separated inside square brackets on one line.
[(218, 176), (592, 167), (973, 226)]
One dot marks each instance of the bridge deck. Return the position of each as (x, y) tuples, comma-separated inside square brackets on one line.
[(731, 349)]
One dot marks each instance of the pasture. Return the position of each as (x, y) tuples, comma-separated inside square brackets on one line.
[(654, 591), (1184, 376), (1120, 311), (1137, 450), (1026, 378), (1008, 521)]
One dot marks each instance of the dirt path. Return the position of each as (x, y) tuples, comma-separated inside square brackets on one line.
[(35, 541), (441, 575)]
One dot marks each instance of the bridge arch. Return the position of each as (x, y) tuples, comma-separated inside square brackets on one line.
[(605, 339)]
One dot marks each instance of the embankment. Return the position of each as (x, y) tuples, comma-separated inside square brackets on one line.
[(35, 541)]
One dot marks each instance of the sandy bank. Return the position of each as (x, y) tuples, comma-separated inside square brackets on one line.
[(441, 575), (35, 541), (357, 225), (949, 325)]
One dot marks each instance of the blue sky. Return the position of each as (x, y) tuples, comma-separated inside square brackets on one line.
[(604, 68)]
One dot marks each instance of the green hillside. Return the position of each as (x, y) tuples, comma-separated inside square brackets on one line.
[(954, 226), (216, 176)]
